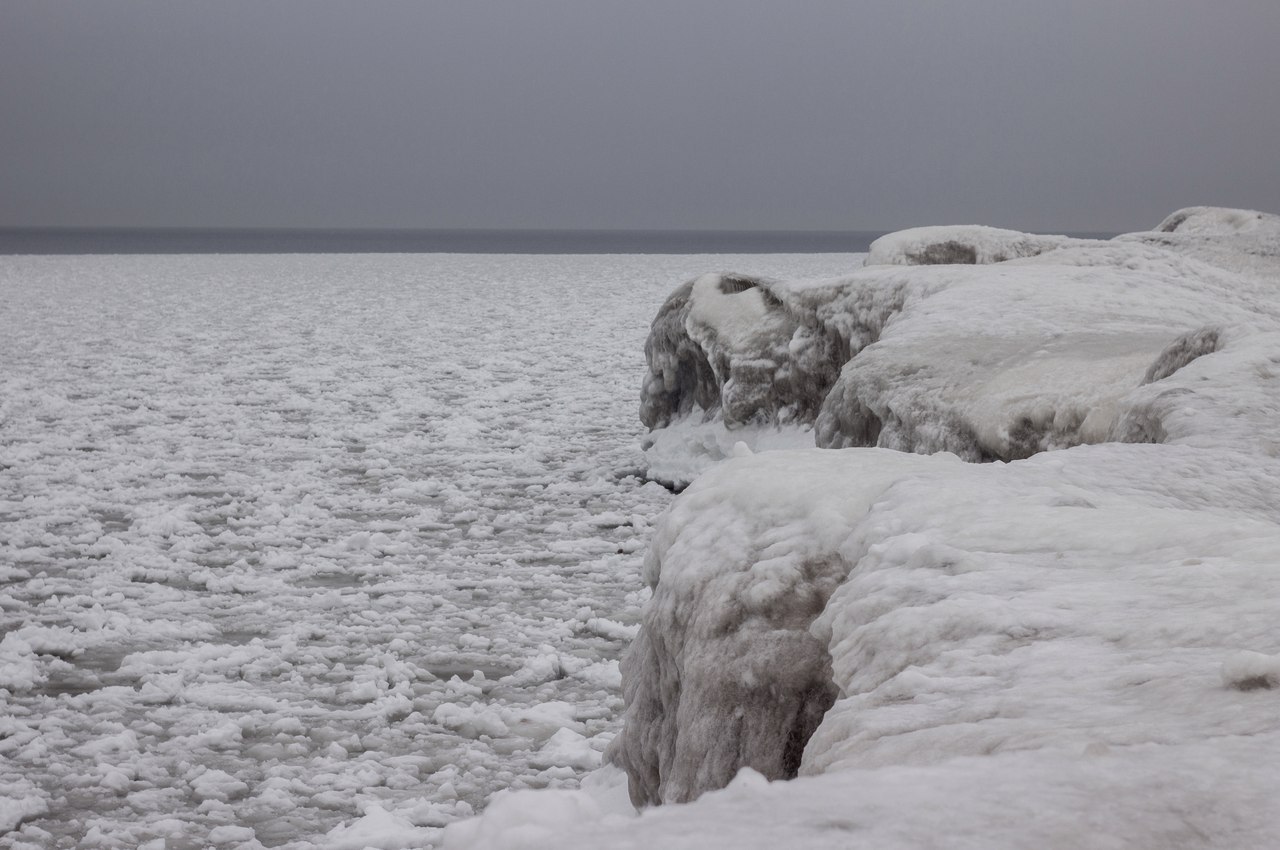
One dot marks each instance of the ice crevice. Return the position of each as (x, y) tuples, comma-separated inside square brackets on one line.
[(1089, 608)]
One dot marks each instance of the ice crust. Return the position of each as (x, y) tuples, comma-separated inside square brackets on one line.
[(1061, 648)]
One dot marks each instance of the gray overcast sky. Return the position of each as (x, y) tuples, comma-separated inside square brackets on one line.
[(1063, 115)]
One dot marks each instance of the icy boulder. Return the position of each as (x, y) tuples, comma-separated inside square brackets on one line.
[(725, 673), (1041, 348), (737, 359), (998, 363), (725, 350), (717, 345), (962, 245)]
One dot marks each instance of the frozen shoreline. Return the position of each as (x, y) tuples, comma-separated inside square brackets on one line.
[(1069, 639)]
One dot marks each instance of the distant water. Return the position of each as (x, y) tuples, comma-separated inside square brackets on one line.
[(195, 241)]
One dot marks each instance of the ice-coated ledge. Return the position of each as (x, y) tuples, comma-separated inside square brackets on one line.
[(1041, 347), (1058, 648)]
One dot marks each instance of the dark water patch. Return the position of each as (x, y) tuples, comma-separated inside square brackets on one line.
[(467, 671), (330, 581), (90, 671), (176, 581), (239, 637)]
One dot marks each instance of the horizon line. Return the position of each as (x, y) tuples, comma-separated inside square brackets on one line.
[(169, 228)]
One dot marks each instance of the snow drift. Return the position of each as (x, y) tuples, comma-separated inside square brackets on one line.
[(1033, 649)]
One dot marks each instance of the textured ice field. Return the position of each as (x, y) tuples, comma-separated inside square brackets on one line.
[(288, 540)]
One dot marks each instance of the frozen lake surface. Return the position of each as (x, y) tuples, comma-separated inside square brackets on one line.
[(287, 537)]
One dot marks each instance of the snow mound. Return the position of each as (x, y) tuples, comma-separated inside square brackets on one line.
[(1230, 398), (537, 818), (963, 244), (1245, 241), (1219, 221), (679, 453), (379, 829)]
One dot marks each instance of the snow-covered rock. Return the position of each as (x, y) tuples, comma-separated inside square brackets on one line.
[(716, 346), (1089, 620), (1033, 343), (1058, 648), (1219, 221), (964, 245), (724, 348), (1036, 354), (725, 667)]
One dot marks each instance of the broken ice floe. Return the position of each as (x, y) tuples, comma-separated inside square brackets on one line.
[(265, 515)]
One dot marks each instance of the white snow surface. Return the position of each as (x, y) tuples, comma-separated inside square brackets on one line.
[(316, 551), (1074, 646)]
